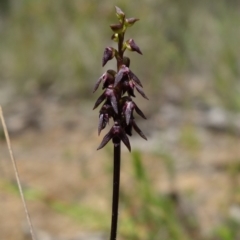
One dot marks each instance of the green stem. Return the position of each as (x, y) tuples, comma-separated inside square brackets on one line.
[(120, 51)]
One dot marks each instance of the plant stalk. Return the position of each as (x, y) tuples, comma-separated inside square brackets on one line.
[(116, 183)]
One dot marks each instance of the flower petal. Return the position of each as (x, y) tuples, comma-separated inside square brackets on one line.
[(99, 100), (118, 78), (120, 14), (117, 28), (132, 46), (135, 78), (114, 103), (103, 120), (130, 21), (139, 112), (138, 130), (106, 139), (100, 124), (128, 112), (122, 135), (140, 90), (98, 83), (119, 75), (108, 54), (128, 129)]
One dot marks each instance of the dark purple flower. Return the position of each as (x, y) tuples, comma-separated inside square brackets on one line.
[(110, 94), (118, 88), (116, 131), (105, 114), (133, 77), (127, 88), (108, 54), (133, 85), (132, 124), (107, 78), (121, 73), (117, 28), (125, 71), (132, 46), (128, 108), (140, 90)]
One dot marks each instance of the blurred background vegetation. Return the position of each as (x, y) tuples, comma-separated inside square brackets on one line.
[(57, 46), (190, 59)]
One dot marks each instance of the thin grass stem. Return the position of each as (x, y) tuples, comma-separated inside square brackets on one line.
[(17, 175)]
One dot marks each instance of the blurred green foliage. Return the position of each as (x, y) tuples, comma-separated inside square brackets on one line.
[(189, 140), (151, 215), (58, 45)]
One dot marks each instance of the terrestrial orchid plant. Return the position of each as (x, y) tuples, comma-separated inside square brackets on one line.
[(117, 101)]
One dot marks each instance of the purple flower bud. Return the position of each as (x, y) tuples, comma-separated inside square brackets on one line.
[(108, 54), (132, 46), (130, 21), (120, 14), (117, 28)]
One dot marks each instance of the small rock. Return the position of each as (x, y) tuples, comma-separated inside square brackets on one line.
[(216, 119)]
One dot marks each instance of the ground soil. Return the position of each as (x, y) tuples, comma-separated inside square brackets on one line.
[(55, 149)]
